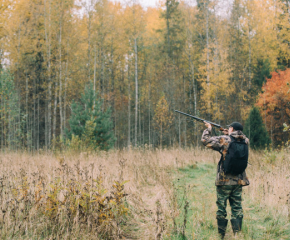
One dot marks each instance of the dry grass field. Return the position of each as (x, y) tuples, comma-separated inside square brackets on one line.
[(136, 194)]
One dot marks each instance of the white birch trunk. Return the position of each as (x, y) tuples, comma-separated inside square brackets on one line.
[(129, 106), (26, 102), (250, 56), (48, 43), (60, 76), (149, 122), (194, 92), (54, 111), (136, 90), (179, 140), (95, 62), (207, 46), (64, 100)]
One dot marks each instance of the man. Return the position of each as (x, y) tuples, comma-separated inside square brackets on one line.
[(228, 186)]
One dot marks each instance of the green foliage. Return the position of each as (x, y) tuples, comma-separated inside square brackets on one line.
[(261, 71), (255, 130), (270, 156), (10, 130), (173, 34), (90, 127), (286, 129)]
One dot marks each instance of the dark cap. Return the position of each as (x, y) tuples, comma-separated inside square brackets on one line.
[(236, 125)]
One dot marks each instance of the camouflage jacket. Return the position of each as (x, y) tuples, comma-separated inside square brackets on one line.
[(221, 144)]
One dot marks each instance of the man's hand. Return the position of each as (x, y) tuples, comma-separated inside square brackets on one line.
[(226, 132), (208, 125)]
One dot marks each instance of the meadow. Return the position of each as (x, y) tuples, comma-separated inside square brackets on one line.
[(136, 194)]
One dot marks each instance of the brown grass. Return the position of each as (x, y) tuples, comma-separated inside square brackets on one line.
[(151, 199)]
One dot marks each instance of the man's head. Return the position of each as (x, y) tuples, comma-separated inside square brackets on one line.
[(235, 126)]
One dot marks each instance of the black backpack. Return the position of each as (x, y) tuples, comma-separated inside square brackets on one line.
[(236, 160)]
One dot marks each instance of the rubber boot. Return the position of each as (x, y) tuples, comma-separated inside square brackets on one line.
[(237, 225), (222, 227)]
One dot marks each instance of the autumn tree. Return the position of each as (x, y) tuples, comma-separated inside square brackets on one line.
[(274, 105), (162, 117)]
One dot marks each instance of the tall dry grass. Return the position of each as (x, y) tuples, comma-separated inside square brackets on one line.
[(64, 195), (269, 173)]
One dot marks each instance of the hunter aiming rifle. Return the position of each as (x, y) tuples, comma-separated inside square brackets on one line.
[(203, 120)]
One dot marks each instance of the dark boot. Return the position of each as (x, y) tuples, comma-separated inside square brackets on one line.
[(237, 225), (222, 227)]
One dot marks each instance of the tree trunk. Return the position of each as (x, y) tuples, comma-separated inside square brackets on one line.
[(34, 116), (179, 139), (95, 62), (207, 54), (129, 105), (194, 93), (64, 100), (2, 122), (27, 113), (250, 56), (38, 122), (54, 111), (89, 40), (149, 102), (60, 75), (102, 78), (207, 46), (136, 90), (49, 96), (161, 136)]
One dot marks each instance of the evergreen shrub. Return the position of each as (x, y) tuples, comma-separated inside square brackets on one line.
[(256, 131), (90, 126)]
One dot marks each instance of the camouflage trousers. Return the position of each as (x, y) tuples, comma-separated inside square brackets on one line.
[(234, 194)]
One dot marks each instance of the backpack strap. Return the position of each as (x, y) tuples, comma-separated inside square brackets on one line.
[(232, 140)]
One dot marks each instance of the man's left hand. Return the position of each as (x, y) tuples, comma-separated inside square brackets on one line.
[(208, 125)]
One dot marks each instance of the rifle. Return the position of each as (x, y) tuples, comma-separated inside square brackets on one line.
[(202, 120)]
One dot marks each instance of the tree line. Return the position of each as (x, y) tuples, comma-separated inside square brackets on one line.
[(140, 64)]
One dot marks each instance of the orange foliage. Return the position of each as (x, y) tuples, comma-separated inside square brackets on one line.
[(274, 100)]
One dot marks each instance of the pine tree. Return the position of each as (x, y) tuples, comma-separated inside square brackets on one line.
[(89, 123), (256, 131), (261, 72)]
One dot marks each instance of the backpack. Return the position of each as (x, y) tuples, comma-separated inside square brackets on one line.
[(236, 160)]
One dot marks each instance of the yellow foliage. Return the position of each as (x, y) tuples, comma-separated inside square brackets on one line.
[(162, 117)]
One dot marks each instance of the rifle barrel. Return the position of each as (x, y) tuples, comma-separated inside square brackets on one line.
[(200, 119)]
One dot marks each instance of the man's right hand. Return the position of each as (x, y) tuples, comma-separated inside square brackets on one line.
[(226, 132)]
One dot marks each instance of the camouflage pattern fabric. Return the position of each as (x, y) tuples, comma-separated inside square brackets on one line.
[(221, 144), (234, 194)]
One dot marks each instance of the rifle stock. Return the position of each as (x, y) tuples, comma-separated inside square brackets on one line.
[(202, 120)]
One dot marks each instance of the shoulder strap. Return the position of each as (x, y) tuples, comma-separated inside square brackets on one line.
[(232, 138)]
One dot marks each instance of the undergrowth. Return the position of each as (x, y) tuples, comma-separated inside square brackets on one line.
[(72, 201)]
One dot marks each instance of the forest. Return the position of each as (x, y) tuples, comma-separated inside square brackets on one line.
[(73, 69)]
